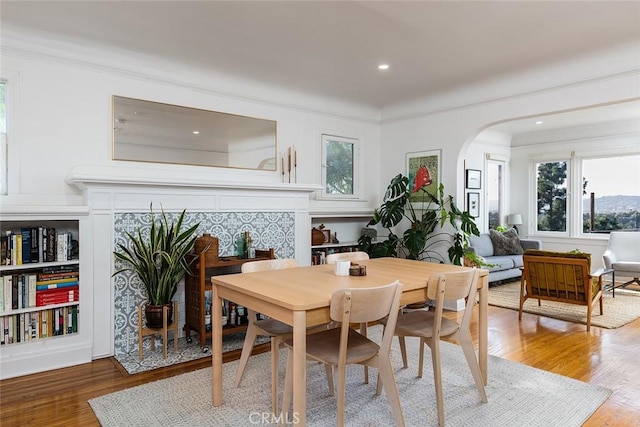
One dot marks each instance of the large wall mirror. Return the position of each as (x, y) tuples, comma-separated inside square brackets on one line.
[(147, 131)]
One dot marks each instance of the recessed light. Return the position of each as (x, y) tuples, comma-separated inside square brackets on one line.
[(383, 67), (196, 132), (539, 122)]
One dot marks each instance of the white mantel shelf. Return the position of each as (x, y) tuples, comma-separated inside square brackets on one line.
[(85, 176)]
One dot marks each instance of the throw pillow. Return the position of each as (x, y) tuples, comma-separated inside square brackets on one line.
[(506, 243)]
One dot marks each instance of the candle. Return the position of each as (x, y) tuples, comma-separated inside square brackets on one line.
[(289, 159)]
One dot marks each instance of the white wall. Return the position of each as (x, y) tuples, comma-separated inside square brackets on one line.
[(64, 116), (452, 121)]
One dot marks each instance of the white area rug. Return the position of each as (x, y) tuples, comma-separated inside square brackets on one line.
[(518, 396)]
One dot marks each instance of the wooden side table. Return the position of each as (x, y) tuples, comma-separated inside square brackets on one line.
[(144, 331)]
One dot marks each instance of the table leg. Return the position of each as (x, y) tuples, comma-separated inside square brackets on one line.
[(484, 327), (300, 368), (216, 348)]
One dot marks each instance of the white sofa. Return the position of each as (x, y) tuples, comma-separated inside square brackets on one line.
[(507, 258)]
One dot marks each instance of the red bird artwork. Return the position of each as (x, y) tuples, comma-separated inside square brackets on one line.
[(422, 178)]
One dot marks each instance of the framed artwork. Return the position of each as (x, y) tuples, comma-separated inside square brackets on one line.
[(327, 235), (473, 204), (473, 179), (423, 171)]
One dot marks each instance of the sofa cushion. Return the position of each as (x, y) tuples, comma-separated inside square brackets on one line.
[(506, 243), (501, 263), (482, 245)]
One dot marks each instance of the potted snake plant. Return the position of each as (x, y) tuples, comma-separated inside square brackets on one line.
[(159, 260)]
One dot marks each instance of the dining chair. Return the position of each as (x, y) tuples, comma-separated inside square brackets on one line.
[(352, 256), (272, 328), (342, 346), (430, 326), (346, 256)]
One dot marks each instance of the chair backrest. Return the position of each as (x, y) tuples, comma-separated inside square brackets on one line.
[(347, 256), (266, 253), (268, 264), (453, 286), (625, 245), (361, 305), (558, 276)]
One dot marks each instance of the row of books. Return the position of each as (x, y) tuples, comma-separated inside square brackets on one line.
[(319, 257), (25, 327), (35, 244), (55, 285)]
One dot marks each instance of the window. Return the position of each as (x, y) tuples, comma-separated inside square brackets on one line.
[(551, 184), (3, 137), (611, 194), (340, 167), (495, 192)]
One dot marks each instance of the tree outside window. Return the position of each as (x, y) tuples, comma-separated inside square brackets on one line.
[(340, 167), (552, 196)]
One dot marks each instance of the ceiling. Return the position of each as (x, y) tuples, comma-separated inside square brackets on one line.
[(332, 49)]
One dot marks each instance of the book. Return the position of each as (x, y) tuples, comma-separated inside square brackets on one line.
[(31, 286), (14, 291), (5, 247), (44, 327), (62, 275), (41, 247), (44, 286), (8, 290), (74, 318), (61, 250), (59, 269), (57, 296), (56, 281), (34, 330), (25, 233), (1, 294), (35, 256), (50, 244), (18, 249), (9, 328)]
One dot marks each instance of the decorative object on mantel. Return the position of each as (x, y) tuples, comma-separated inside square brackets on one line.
[(290, 168), (159, 261), (317, 237)]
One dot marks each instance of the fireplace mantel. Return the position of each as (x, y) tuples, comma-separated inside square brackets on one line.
[(87, 175)]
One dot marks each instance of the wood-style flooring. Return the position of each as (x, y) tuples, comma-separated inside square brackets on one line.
[(608, 358)]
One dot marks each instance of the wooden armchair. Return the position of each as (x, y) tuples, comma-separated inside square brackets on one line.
[(560, 277)]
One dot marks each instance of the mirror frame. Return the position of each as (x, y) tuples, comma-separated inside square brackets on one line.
[(156, 132)]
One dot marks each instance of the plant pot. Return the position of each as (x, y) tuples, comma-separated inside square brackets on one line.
[(153, 315)]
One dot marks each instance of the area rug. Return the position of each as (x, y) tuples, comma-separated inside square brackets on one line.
[(518, 396), (152, 358), (618, 311)]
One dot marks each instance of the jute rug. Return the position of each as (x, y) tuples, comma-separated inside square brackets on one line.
[(518, 396), (152, 358), (618, 311)]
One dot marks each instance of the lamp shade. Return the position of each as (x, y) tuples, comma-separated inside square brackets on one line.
[(514, 219)]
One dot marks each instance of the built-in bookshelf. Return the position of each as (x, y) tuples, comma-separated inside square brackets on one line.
[(41, 284), (342, 232)]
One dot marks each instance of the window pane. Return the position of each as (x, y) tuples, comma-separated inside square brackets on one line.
[(495, 192), (611, 187), (552, 196), (3, 137), (340, 167)]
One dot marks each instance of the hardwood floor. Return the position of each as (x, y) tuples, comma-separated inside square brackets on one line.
[(608, 358)]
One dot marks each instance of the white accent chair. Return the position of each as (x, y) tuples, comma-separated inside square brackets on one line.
[(623, 257)]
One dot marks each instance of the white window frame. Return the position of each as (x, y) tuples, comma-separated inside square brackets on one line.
[(356, 166), (10, 143), (504, 161), (534, 195)]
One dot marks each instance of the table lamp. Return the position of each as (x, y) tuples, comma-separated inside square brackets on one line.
[(515, 220)]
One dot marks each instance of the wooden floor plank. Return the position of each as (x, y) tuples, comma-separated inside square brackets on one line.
[(604, 357)]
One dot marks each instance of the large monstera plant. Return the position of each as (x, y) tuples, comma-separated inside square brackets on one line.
[(436, 222)]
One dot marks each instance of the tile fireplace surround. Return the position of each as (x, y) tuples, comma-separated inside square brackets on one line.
[(276, 214)]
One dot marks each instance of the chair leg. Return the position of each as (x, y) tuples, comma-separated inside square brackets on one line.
[(247, 347), (329, 371), (403, 351), (363, 332), (437, 378), (287, 394), (386, 377), (342, 374), (470, 354), (421, 357), (140, 336)]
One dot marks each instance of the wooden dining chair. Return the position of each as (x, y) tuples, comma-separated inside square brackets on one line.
[(272, 328), (342, 346), (430, 326), (346, 256)]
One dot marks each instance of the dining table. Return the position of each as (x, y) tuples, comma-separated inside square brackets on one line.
[(301, 296)]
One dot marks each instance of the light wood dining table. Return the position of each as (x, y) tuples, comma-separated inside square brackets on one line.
[(300, 297)]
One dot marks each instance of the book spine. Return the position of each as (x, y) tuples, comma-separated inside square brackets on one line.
[(4, 247), (34, 244), (2, 291), (14, 292), (41, 245), (31, 278), (74, 319), (43, 287), (51, 245), (54, 276), (25, 233), (8, 291), (61, 251), (44, 328)]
